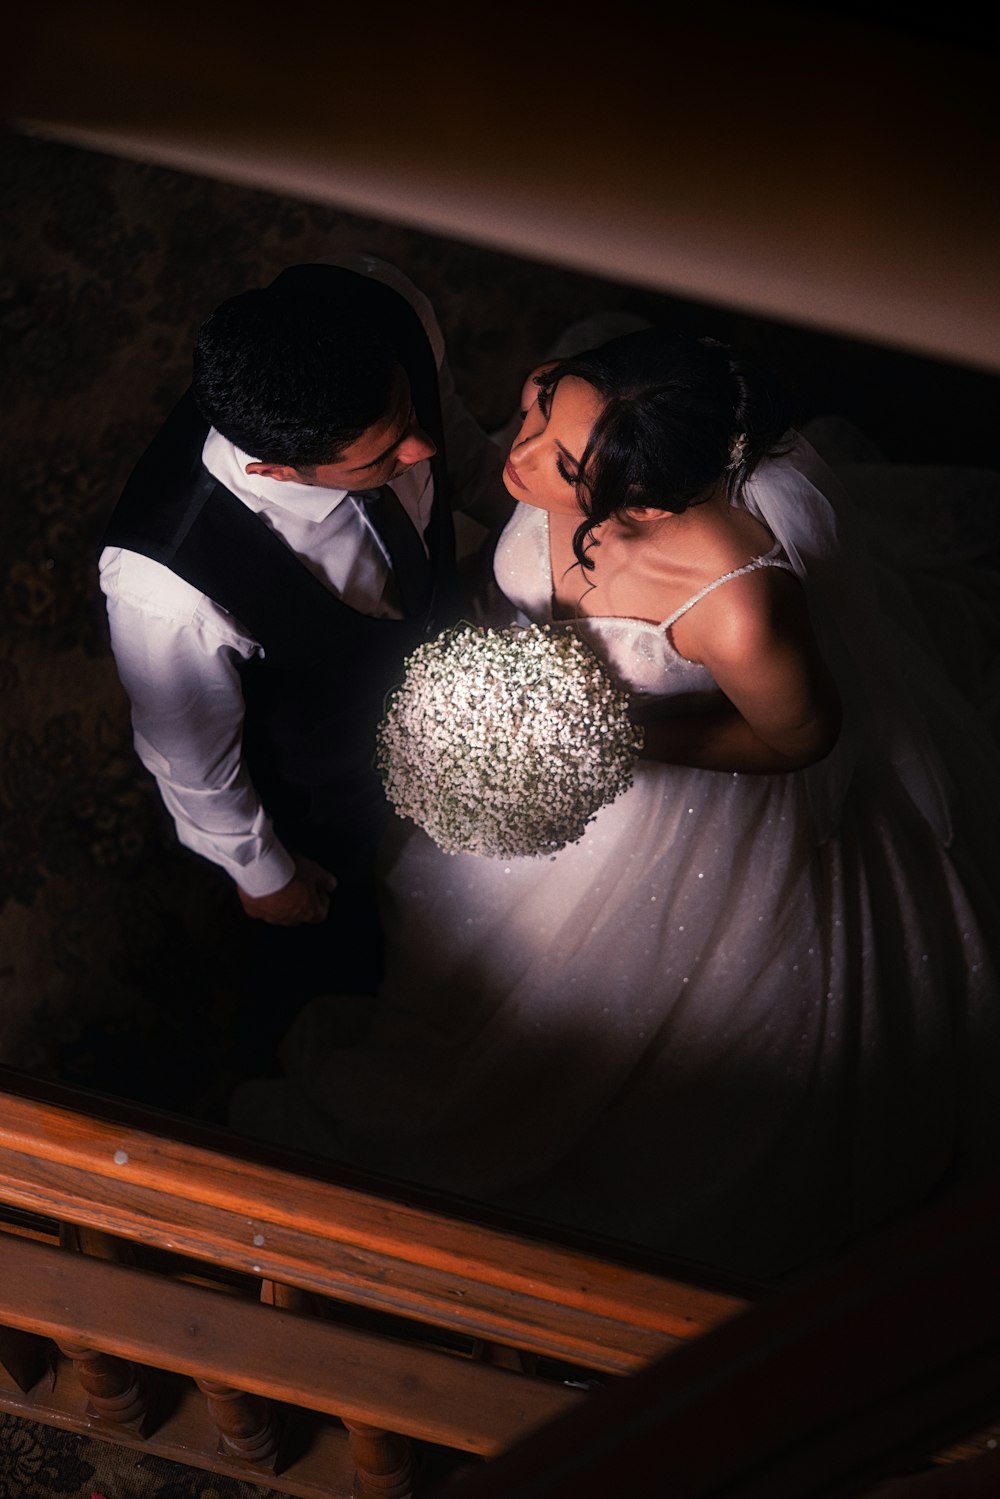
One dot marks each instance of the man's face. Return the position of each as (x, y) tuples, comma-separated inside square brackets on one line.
[(383, 452)]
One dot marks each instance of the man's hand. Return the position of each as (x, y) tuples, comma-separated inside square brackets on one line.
[(306, 897)]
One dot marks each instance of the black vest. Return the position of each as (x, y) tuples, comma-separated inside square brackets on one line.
[(315, 696)]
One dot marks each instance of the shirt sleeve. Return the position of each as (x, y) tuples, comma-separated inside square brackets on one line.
[(182, 679)]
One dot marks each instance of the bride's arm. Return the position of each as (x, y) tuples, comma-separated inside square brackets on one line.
[(783, 710)]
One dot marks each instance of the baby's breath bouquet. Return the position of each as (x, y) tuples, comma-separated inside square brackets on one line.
[(505, 742)]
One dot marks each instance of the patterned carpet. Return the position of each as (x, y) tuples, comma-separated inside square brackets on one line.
[(40, 1462)]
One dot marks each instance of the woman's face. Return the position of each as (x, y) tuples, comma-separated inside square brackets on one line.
[(544, 460)]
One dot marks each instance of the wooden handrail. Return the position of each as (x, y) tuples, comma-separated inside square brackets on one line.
[(781, 199), (214, 1197), (360, 1376), (265, 1281), (822, 1389)]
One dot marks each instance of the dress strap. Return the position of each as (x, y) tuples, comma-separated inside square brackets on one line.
[(769, 559)]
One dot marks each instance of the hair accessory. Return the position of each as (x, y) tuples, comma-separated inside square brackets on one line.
[(738, 450)]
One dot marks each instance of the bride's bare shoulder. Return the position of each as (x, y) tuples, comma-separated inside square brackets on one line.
[(760, 609)]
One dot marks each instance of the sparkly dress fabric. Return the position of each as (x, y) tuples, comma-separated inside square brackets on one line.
[(745, 1017)]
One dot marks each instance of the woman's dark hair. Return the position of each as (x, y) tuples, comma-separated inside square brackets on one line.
[(680, 414), (291, 379)]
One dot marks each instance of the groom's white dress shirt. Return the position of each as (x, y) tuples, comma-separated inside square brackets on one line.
[(177, 652)]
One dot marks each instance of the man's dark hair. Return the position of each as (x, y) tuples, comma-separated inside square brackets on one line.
[(292, 378)]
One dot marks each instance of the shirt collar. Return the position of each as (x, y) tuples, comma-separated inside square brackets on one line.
[(227, 463)]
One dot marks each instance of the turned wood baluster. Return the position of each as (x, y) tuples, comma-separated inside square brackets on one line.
[(504, 1357), (383, 1463), (23, 1356), (113, 1389), (96, 1243), (291, 1299), (113, 1386), (246, 1423)]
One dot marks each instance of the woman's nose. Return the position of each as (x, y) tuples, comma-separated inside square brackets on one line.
[(526, 452)]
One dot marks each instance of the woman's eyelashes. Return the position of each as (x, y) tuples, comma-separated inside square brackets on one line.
[(545, 407)]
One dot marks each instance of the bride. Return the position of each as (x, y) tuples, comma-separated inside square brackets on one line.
[(754, 1011)]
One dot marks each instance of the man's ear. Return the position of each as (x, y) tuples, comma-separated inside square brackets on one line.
[(279, 471), (645, 514)]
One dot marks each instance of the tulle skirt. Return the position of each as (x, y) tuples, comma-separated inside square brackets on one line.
[(695, 1030)]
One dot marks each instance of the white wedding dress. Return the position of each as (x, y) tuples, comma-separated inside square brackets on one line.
[(745, 1017)]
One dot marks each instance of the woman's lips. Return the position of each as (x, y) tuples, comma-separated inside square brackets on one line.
[(513, 475)]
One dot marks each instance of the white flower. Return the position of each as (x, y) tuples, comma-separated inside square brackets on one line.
[(505, 742)]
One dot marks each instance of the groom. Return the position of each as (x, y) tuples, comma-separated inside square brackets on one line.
[(284, 542)]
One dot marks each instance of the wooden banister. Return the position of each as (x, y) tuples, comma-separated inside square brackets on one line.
[(408, 1323), (357, 1376), (278, 1288), (874, 221), (833, 1386), (219, 1202)]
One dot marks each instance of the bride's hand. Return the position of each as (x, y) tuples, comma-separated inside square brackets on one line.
[(304, 900)]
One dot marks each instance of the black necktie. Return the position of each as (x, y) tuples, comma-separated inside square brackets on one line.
[(411, 569)]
